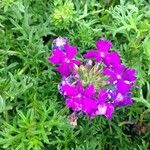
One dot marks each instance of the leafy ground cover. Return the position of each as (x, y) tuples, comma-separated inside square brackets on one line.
[(32, 112)]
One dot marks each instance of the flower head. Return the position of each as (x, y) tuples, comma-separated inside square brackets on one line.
[(96, 87)]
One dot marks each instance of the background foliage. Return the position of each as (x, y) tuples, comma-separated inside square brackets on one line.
[(32, 113)]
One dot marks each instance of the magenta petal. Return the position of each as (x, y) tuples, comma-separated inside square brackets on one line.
[(69, 90), (77, 62), (91, 54), (110, 74), (123, 87), (106, 109), (122, 100), (74, 103), (71, 51), (89, 91), (119, 69), (89, 106), (130, 75), (102, 108), (102, 96), (98, 59), (80, 87), (103, 45), (57, 57), (64, 69), (112, 59), (109, 111), (127, 101), (118, 98)]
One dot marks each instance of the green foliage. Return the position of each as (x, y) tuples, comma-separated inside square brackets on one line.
[(63, 14), (38, 126), (32, 112), (5, 4)]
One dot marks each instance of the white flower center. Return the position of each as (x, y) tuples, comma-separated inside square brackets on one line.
[(63, 82), (115, 82), (101, 110), (119, 97), (79, 96), (102, 54), (67, 60), (118, 76), (127, 82)]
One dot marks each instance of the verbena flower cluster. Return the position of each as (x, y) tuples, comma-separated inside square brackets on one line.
[(98, 84)]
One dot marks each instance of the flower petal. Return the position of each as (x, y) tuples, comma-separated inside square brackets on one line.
[(89, 91), (89, 106), (122, 100), (123, 87), (69, 90), (110, 110), (57, 57), (77, 62), (130, 75), (106, 109), (103, 45), (91, 54), (71, 51), (112, 59), (101, 109), (127, 101), (102, 96), (110, 73), (74, 103), (64, 69), (59, 43)]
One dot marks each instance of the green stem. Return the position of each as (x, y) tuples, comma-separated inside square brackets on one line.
[(23, 70)]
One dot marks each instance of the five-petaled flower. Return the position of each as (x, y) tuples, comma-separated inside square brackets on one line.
[(65, 59)]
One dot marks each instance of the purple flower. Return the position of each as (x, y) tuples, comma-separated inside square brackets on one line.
[(114, 74), (97, 87), (65, 60), (122, 100), (77, 90), (106, 109), (84, 99), (123, 87), (70, 90), (121, 72), (112, 59), (103, 48), (104, 106), (121, 77), (89, 106), (103, 45), (74, 103), (80, 98), (102, 96), (89, 91), (57, 57), (129, 75)]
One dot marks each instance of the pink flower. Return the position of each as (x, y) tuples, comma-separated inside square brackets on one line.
[(65, 60), (103, 48), (97, 87)]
